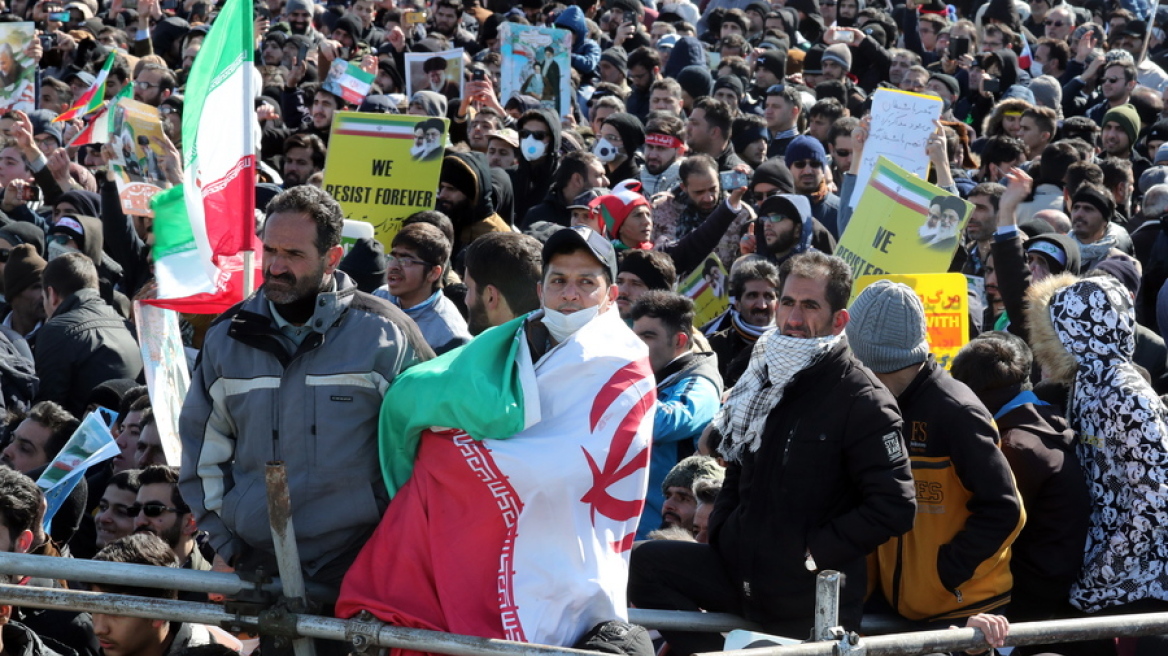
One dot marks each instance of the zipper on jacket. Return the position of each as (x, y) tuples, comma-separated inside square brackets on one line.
[(787, 446)]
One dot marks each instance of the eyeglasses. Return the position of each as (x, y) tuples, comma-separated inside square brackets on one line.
[(539, 135), (1112, 80), (154, 509), (405, 261), (124, 511), (148, 85), (166, 110)]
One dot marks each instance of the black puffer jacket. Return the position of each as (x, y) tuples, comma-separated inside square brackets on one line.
[(83, 344), (831, 477)]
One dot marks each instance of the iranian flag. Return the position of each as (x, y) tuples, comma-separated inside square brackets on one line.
[(98, 129), (203, 227), (541, 481), (93, 98)]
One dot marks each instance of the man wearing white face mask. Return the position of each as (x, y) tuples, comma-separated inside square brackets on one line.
[(556, 436), (621, 136), (539, 157)]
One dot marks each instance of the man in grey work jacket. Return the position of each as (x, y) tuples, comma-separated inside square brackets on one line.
[(295, 373)]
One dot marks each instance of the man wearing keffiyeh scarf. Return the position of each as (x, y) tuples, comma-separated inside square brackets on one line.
[(817, 476)]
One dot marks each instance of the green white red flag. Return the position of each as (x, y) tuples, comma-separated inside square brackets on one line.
[(93, 98), (203, 227)]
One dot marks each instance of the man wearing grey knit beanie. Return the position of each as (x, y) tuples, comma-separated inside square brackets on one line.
[(968, 512)]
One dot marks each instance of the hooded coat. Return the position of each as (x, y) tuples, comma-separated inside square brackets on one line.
[(481, 217), (1083, 332), (585, 51), (688, 51), (531, 180), (813, 236)]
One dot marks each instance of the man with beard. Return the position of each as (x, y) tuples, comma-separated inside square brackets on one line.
[(296, 372), (299, 14), (303, 156), (787, 228), (807, 161), (502, 273), (680, 212), (754, 285), (466, 196), (161, 511), (664, 150), (447, 19)]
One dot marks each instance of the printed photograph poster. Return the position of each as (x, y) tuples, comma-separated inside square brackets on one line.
[(901, 125), (135, 134), (17, 68), (903, 224), (946, 309), (348, 81), (708, 286), (382, 168), (165, 362), (537, 62), (440, 72)]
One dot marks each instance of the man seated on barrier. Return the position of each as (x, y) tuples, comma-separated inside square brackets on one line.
[(817, 476), (122, 635)]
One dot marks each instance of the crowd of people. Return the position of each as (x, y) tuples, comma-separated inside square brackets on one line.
[(507, 422)]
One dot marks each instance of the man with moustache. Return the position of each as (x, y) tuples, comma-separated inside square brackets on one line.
[(161, 511), (754, 287), (296, 372), (664, 151)]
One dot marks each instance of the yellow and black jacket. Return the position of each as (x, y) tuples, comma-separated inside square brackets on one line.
[(955, 562)]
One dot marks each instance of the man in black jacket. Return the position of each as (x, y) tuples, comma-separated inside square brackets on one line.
[(817, 476), (84, 342)]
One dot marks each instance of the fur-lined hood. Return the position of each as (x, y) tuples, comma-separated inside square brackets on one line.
[(1075, 321)]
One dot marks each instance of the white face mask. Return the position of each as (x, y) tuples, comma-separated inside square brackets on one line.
[(532, 148), (1035, 68), (562, 326), (605, 151)]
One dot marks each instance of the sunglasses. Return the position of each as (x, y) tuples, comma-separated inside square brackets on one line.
[(1054, 23), (774, 217), (154, 509), (539, 135)]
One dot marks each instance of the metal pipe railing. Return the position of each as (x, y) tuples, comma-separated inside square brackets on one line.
[(1028, 633), (291, 625), (230, 584)]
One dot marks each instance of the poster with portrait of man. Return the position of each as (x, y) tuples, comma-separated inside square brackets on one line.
[(537, 63), (440, 72), (17, 68)]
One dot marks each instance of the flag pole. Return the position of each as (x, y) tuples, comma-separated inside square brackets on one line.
[(249, 148), (1151, 22)]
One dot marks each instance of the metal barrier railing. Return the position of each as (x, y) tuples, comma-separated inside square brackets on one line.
[(278, 621)]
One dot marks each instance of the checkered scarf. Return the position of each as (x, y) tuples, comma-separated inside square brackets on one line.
[(776, 359)]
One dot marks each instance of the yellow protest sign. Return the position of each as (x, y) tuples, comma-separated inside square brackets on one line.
[(382, 168), (946, 308), (902, 225), (708, 287)]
